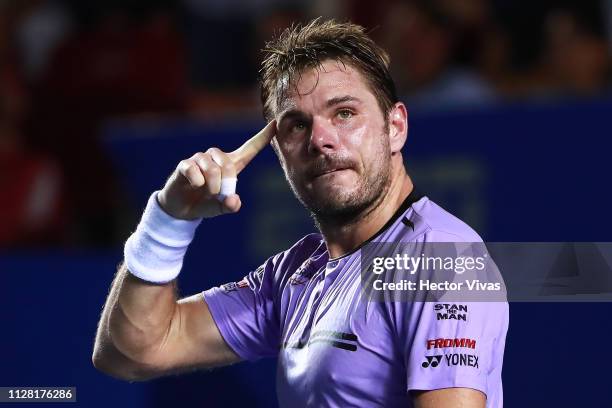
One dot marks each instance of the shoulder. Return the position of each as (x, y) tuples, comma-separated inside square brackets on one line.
[(438, 225), (285, 263), (303, 248)]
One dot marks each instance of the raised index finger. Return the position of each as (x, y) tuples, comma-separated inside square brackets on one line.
[(245, 153)]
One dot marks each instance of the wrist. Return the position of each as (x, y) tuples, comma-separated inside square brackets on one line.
[(167, 207), (155, 251)]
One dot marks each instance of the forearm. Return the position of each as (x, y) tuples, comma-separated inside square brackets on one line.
[(136, 317), (144, 331)]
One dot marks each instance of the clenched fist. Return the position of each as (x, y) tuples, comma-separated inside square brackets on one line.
[(192, 191)]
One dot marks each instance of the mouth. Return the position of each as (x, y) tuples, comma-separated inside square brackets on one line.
[(329, 172)]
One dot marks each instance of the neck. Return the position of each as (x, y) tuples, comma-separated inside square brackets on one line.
[(342, 239)]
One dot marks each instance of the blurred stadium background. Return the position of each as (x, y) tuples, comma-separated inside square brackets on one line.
[(509, 103)]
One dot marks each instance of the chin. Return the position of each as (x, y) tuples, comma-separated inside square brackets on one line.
[(339, 200), (337, 185), (334, 192), (337, 204), (333, 195)]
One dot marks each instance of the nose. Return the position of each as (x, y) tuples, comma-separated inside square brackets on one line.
[(323, 137)]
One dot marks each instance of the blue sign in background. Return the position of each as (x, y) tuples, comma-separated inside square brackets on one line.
[(524, 172)]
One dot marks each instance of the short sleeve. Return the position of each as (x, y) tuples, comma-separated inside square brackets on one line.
[(456, 345), (245, 314), (455, 341)]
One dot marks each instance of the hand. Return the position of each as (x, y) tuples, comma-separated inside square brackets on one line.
[(192, 190)]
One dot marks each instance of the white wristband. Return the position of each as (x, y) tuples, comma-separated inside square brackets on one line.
[(155, 251)]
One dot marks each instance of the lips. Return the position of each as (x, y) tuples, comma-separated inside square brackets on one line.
[(328, 171), (329, 165)]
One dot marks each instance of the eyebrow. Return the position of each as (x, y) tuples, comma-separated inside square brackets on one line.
[(292, 112), (340, 100)]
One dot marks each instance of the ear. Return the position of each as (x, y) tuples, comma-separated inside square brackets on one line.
[(398, 127)]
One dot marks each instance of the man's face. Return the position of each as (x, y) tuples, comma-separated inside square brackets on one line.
[(333, 143)]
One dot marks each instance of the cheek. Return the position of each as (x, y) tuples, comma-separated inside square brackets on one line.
[(357, 136), (365, 144), (288, 156), (289, 147)]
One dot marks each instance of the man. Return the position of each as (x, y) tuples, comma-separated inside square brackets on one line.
[(338, 130)]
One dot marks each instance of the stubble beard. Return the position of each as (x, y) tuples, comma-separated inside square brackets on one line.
[(342, 208)]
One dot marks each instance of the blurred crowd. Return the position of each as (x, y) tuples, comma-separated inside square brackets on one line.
[(68, 66)]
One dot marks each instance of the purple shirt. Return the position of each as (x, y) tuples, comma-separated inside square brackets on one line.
[(337, 349)]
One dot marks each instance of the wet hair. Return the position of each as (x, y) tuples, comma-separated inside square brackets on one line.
[(303, 47)]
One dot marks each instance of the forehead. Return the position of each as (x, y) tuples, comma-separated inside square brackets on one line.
[(331, 79)]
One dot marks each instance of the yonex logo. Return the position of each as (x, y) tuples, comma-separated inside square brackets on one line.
[(461, 360), (454, 359), (432, 361)]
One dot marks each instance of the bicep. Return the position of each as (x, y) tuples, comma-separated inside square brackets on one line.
[(449, 398), (193, 340)]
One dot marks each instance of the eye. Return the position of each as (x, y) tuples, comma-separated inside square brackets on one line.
[(345, 114), (298, 127)]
